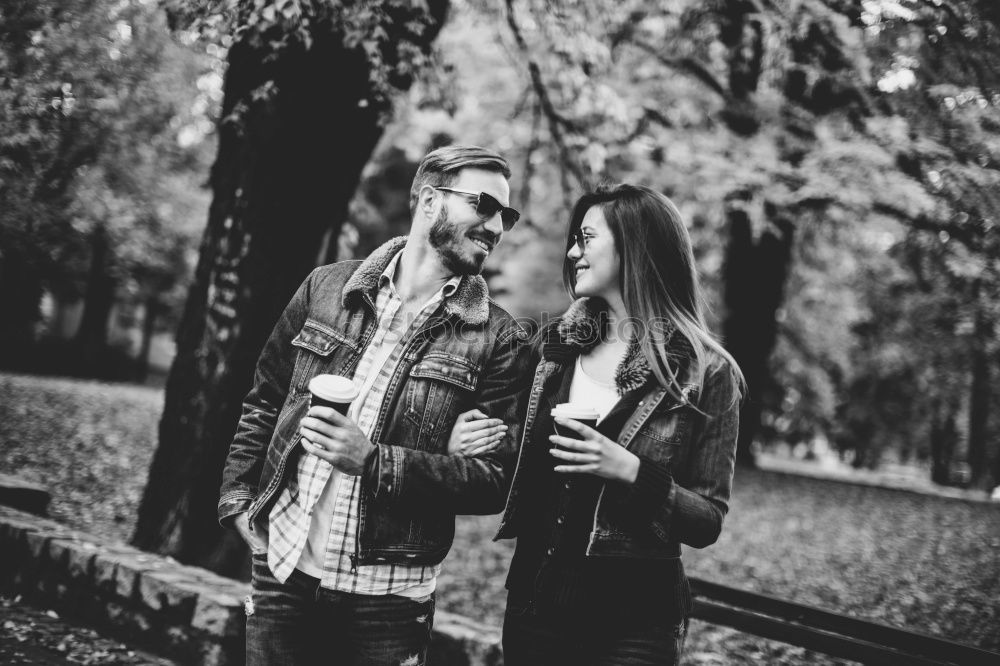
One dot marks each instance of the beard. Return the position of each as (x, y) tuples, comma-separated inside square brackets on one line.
[(448, 242)]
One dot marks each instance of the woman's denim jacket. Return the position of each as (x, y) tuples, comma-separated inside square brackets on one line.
[(469, 354), (686, 447)]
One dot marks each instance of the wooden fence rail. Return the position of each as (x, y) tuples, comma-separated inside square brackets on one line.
[(828, 632)]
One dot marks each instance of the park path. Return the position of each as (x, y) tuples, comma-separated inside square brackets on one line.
[(30, 635)]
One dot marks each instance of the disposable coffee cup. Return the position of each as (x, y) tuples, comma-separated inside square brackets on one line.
[(332, 391), (586, 415)]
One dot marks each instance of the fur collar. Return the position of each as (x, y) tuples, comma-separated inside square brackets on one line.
[(470, 302), (584, 325)]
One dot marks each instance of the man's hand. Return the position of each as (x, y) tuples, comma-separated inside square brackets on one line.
[(256, 540), (329, 435)]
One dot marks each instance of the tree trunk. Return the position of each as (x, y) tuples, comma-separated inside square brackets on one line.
[(150, 311), (281, 179), (753, 283), (92, 336), (944, 436), (20, 296), (981, 456)]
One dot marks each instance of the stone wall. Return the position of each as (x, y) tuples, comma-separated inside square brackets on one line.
[(182, 612)]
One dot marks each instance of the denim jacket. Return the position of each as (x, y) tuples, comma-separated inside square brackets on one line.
[(469, 354), (686, 447)]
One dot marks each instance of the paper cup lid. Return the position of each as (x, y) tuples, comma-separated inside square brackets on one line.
[(333, 388), (570, 410)]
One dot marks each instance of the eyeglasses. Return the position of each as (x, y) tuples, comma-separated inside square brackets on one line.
[(580, 240), (487, 206)]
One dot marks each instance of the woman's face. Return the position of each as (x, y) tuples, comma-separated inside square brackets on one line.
[(595, 257)]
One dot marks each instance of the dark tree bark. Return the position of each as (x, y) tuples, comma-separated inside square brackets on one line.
[(981, 450), (20, 295), (92, 337), (282, 178), (151, 310), (754, 277), (944, 437)]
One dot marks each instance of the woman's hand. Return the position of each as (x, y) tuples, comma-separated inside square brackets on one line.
[(593, 454), (475, 434)]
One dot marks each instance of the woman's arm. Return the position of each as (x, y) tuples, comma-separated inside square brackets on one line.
[(693, 513)]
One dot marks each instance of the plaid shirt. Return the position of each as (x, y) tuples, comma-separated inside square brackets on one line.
[(314, 522)]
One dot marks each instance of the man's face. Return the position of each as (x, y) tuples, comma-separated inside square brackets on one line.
[(462, 239)]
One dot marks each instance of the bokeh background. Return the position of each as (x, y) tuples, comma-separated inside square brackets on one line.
[(170, 172)]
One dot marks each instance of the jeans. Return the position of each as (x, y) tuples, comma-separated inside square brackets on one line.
[(299, 623), (531, 638)]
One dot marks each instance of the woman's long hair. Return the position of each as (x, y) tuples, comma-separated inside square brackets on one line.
[(658, 279)]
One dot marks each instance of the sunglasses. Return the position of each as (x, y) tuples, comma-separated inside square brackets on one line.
[(487, 206)]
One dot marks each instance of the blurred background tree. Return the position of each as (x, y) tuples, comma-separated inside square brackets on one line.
[(95, 190), (784, 133), (931, 334)]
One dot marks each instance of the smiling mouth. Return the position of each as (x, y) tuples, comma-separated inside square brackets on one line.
[(483, 244), (580, 269)]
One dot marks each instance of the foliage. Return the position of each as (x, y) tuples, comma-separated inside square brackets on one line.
[(388, 32), (942, 84), (796, 111), (93, 101)]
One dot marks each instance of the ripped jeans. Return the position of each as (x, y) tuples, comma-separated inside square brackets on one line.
[(299, 623)]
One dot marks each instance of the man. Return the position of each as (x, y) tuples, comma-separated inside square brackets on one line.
[(349, 517)]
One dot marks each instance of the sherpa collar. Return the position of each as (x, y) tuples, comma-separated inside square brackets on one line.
[(469, 302), (584, 325)]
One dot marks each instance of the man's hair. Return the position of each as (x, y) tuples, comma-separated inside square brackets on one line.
[(440, 167)]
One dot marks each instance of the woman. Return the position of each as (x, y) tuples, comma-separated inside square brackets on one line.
[(596, 576)]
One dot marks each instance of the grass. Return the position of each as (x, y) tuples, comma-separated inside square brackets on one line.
[(923, 563)]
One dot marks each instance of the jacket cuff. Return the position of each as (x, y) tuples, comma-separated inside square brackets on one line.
[(384, 473), (651, 495), (232, 504), (371, 475)]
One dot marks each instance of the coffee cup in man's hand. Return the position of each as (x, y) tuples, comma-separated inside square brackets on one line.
[(332, 391)]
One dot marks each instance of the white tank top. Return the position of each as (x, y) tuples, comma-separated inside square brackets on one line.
[(586, 390)]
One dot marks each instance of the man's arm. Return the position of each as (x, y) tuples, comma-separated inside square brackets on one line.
[(245, 462), (399, 475)]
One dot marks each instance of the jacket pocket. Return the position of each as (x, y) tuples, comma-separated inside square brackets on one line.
[(438, 387), (316, 342), (664, 437)]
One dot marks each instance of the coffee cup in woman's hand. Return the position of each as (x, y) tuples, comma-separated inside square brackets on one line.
[(588, 416)]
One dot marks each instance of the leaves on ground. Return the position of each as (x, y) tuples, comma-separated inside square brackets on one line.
[(33, 636), (927, 564)]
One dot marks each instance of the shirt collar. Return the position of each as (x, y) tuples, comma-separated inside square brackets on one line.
[(389, 274)]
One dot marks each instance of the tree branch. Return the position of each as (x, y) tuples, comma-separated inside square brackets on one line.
[(556, 121), (688, 66)]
